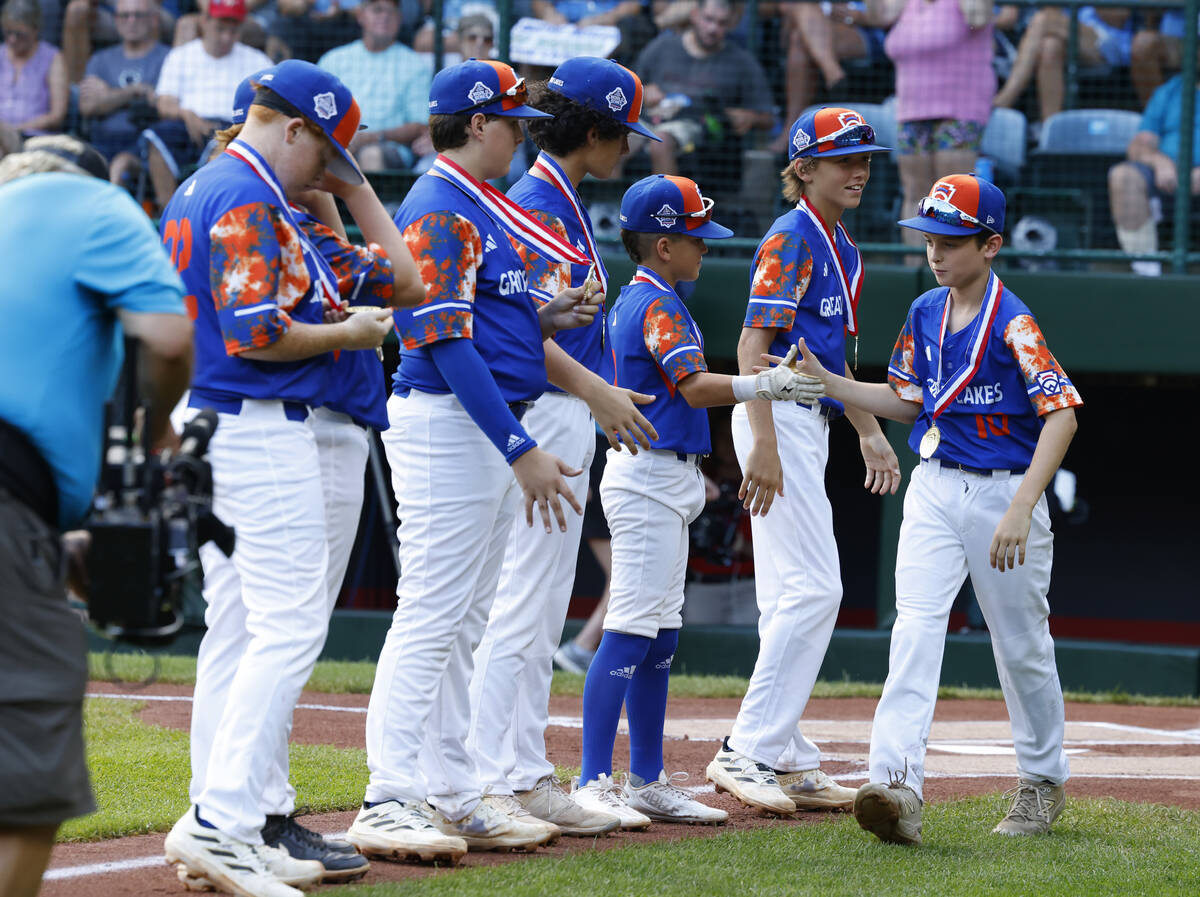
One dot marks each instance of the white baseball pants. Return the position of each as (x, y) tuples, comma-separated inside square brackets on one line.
[(949, 519), (798, 583), (649, 500), (267, 611), (510, 690), (342, 448), (457, 498)]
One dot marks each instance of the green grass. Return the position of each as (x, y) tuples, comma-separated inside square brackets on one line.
[(140, 774), (355, 677), (1099, 847)]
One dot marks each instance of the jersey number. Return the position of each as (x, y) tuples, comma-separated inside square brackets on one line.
[(997, 424), (177, 237)]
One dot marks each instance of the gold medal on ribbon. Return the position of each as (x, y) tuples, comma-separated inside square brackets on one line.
[(930, 442), (589, 284)]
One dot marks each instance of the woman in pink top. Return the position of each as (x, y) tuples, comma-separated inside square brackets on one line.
[(942, 51), (33, 77)]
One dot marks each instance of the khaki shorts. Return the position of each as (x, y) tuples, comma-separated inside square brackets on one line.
[(43, 665)]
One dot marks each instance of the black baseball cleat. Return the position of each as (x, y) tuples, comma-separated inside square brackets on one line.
[(341, 861)]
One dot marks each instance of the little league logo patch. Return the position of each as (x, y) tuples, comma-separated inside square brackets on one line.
[(801, 140), (849, 119), (943, 191), (665, 216), (480, 92), (325, 105), (1050, 382), (616, 99)]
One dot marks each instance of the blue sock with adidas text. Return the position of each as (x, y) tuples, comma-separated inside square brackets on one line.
[(614, 666), (646, 706)]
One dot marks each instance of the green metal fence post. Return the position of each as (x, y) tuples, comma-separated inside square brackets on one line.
[(506, 21), (1187, 117), (439, 40)]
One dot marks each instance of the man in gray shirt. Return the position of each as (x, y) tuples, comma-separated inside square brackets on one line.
[(703, 93), (117, 90)]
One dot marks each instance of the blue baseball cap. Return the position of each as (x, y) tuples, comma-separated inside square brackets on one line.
[(323, 100), (243, 97), (959, 205), (605, 86), (831, 131), (668, 204), (476, 85)]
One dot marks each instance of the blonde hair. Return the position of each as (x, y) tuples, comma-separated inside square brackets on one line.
[(38, 156), (793, 184)]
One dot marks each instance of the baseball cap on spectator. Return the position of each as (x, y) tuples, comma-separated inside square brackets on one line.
[(325, 101), (605, 86), (959, 205), (227, 9), (243, 97), (667, 204), (831, 131), (486, 86)]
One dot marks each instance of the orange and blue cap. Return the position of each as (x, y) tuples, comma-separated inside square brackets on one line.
[(480, 85), (667, 204), (959, 205), (326, 102), (605, 86), (831, 131)]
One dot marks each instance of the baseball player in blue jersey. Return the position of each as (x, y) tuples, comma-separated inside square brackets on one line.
[(263, 357), (993, 415), (381, 273), (806, 282), (654, 346), (595, 103), (471, 363)]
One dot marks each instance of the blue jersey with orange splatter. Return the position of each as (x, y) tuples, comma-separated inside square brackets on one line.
[(364, 277), (795, 289), (546, 278), (996, 420), (475, 288), (653, 343), (247, 277)]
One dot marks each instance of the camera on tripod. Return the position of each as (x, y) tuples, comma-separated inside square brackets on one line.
[(149, 518)]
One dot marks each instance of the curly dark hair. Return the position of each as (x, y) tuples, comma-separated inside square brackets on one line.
[(568, 130)]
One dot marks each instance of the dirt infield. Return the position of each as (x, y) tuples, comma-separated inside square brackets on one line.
[(1144, 754)]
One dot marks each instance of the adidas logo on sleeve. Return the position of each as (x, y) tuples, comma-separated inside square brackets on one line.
[(624, 672), (515, 441)]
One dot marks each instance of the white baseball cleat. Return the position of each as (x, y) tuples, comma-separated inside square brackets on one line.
[(486, 828), (603, 795), (510, 806), (548, 800), (812, 789), (207, 854), (754, 784), (663, 801), (400, 830)]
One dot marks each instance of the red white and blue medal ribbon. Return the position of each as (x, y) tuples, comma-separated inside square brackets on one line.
[(327, 289), (991, 305), (851, 286), (559, 179), (510, 216)]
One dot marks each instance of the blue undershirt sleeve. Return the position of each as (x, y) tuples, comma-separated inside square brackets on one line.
[(463, 369)]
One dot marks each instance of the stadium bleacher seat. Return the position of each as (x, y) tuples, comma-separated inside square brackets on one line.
[(1004, 141)]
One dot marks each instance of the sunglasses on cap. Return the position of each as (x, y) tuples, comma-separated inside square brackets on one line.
[(704, 213), (946, 213), (851, 135), (518, 93)]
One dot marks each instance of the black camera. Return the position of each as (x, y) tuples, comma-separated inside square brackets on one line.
[(149, 518)]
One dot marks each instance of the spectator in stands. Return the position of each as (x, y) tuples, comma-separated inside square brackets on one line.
[(942, 51), (34, 92), (253, 32), (311, 28), (1105, 38), (1157, 49), (629, 16), (90, 24), (391, 84), (118, 88), (195, 94), (816, 40), (453, 13), (703, 93), (476, 36), (1140, 187)]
